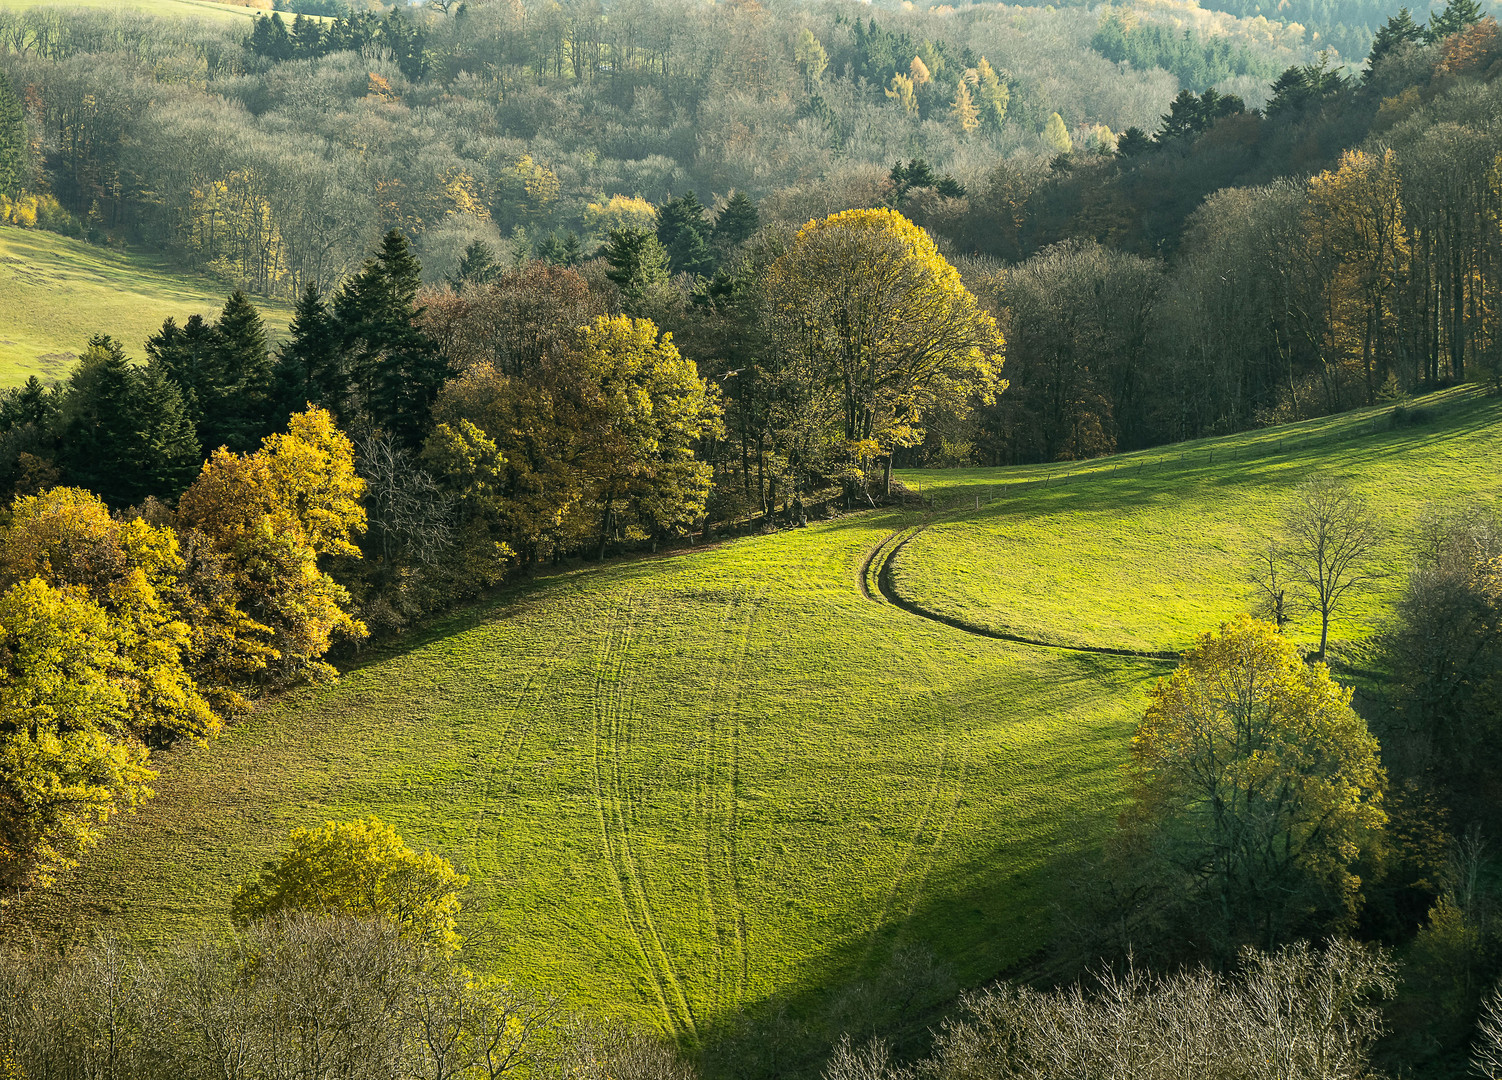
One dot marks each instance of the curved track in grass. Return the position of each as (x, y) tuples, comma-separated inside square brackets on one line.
[(879, 562)]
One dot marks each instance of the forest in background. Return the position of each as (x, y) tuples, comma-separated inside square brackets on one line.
[(591, 323)]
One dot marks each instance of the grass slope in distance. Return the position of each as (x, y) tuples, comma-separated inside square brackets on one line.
[(1144, 551), (59, 292)]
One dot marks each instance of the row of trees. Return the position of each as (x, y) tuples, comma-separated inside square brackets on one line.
[(123, 632)]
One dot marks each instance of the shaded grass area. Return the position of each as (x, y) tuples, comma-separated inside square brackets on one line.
[(682, 786), (59, 292), (1145, 550)]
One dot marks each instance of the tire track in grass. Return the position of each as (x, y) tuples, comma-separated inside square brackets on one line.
[(518, 719), (718, 798), (614, 716), (880, 561), (921, 851)]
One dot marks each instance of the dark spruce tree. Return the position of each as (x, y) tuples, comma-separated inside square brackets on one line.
[(188, 356), (737, 221), (310, 368), (683, 232), (1398, 31), (477, 266), (639, 267), (397, 369), (239, 416), (223, 371), (1458, 16), (125, 432)]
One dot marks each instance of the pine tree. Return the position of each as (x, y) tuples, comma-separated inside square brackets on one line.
[(639, 266), (1399, 30), (126, 434), (12, 141), (396, 368), (477, 266), (683, 232), (238, 416), (168, 454), (189, 356), (737, 221), (309, 367), (1458, 16)]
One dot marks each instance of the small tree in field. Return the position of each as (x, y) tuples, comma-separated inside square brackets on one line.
[(359, 868), (1330, 534), (1257, 781)]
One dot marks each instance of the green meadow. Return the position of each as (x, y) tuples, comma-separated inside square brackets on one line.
[(1144, 551), (727, 778), (59, 292)]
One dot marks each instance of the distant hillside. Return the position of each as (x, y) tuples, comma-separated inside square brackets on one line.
[(59, 292)]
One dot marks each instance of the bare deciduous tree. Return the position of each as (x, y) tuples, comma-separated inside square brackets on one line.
[(1330, 536)]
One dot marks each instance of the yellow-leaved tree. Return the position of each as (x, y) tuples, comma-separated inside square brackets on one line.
[(359, 868), (1257, 782), (132, 570), (876, 330), (68, 756), (256, 527), (644, 407)]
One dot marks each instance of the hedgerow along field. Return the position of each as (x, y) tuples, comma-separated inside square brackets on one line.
[(59, 292), (728, 778)]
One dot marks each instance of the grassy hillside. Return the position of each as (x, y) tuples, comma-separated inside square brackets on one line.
[(727, 777), (58, 292), (188, 9), (1143, 551), (680, 785)]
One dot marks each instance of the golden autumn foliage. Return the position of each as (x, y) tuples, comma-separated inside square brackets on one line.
[(360, 868), (1355, 221), (867, 306), (264, 521), (68, 757), (1259, 781), (131, 569)]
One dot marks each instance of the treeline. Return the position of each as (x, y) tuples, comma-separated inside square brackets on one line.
[(277, 158)]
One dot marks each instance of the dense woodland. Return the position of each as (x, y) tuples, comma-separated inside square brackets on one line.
[(556, 297)]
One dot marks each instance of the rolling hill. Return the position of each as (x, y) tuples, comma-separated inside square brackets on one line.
[(738, 777), (59, 292)]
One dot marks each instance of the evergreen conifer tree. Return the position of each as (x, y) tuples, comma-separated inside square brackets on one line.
[(126, 433), (1459, 15), (737, 221), (639, 265), (1399, 30), (683, 231), (396, 368), (238, 416), (309, 367)]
